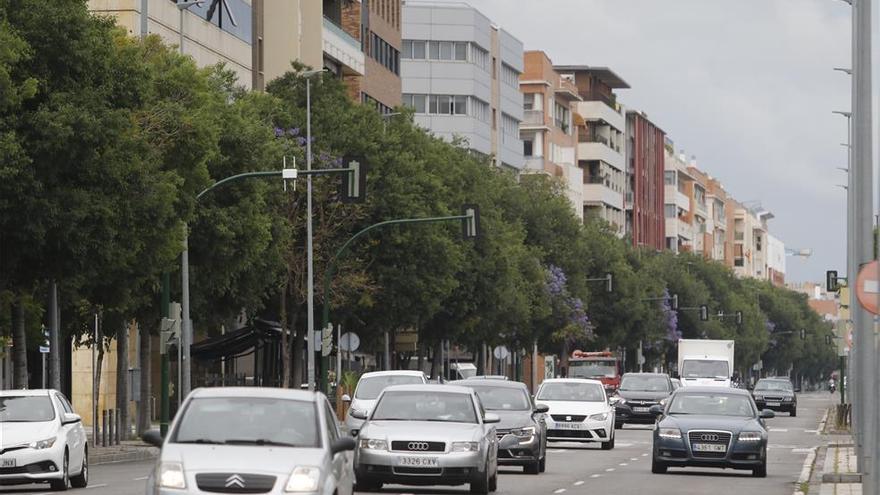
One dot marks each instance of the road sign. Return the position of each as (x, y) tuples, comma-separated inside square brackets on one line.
[(349, 342), (44, 349), (500, 352), (868, 287)]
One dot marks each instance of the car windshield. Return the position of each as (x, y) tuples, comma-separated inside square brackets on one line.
[(591, 369), (711, 404), (26, 409), (249, 421), (572, 391), (705, 369), (370, 387), (774, 385), (638, 383), (425, 406), (503, 398)]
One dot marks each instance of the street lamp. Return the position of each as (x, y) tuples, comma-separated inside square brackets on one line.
[(183, 5)]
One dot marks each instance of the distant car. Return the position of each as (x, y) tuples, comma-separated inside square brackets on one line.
[(579, 411), (777, 394), (368, 388), (637, 393), (487, 377), (710, 427), (428, 435), (676, 383), (520, 418), (42, 440), (253, 440)]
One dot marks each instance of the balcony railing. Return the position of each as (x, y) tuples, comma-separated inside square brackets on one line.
[(533, 117), (739, 236), (330, 25)]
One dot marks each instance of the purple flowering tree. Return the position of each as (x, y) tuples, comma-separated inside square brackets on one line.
[(670, 319), (569, 316)]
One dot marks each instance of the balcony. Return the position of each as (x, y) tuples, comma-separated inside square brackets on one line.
[(600, 151), (597, 110), (343, 48), (533, 120)]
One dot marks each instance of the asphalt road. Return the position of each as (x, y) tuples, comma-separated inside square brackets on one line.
[(576, 469)]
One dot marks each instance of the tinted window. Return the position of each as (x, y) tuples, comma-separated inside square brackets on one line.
[(370, 388), (503, 398), (249, 421), (705, 369), (711, 404), (425, 406), (774, 385), (26, 409), (580, 392), (638, 383)]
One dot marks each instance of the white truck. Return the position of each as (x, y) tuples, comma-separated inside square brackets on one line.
[(705, 362)]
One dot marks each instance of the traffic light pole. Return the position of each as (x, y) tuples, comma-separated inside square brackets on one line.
[(470, 215), (164, 303)]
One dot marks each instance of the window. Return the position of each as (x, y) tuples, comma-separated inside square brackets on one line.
[(528, 147), (509, 125), (445, 50), (385, 54), (416, 102), (461, 50), (669, 177), (434, 50), (459, 104), (418, 50), (479, 109), (479, 56), (332, 425), (509, 75), (529, 101), (561, 117), (671, 210)]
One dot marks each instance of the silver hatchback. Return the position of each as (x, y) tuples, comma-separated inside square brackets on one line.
[(428, 435), (253, 440)]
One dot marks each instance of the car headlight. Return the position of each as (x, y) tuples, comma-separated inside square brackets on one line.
[(599, 417), (759, 397), (617, 400), (670, 433), (750, 436), (373, 444), (171, 475), (465, 446), (787, 397), (523, 432), (303, 479), (43, 444)]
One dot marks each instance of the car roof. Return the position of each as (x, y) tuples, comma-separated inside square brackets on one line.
[(775, 379), (487, 382), (393, 372), (258, 392), (434, 387), (26, 392), (571, 380), (646, 374), (714, 390)]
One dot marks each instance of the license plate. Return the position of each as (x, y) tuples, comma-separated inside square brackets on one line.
[(569, 426), (641, 409), (7, 463), (417, 461), (776, 404), (709, 447)]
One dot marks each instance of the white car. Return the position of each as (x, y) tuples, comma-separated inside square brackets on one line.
[(41, 440), (368, 388), (579, 411)]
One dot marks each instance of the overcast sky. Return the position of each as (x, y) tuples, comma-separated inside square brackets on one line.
[(744, 85)]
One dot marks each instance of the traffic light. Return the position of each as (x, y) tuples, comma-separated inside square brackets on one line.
[(739, 317), (831, 284), (828, 340), (471, 223), (674, 302), (354, 184), (704, 312), (803, 334), (609, 282)]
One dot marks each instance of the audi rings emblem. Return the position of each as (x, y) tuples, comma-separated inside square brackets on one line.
[(417, 446), (709, 437)]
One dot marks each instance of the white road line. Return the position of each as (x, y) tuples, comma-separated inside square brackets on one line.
[(579, 483), (644, 455), (142, 478), (801, 451), (608, 470), (595, 475), (623, 464), (621, 444), (781, 430), (101, 485), (633, 458), (559, 490), (811, 431)]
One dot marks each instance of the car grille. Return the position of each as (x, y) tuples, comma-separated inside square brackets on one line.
[(569, 433), (569, 418), (723, 438), (641, 403), (418, 471), (234, 483), (773, 398), (417, 446)]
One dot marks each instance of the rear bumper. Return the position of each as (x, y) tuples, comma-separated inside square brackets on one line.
[(740, 456), (372, 473)]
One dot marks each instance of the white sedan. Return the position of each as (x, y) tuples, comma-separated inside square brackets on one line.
[(41, 440), (579, 411)]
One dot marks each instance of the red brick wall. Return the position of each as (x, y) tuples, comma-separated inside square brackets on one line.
[(649, 223)]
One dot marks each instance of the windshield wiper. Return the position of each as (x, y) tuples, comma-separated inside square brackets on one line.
[(259, 441), (204, 441)]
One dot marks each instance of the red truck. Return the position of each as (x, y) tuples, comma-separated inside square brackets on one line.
[(603, 365)]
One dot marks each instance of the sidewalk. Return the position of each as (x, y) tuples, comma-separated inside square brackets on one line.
[(839, 474), (127, 451)]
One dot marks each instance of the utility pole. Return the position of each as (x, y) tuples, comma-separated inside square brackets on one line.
[(165, 408)]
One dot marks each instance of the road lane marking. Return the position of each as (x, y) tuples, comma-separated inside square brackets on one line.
[(595, 475), (578, 483), (142, 478), (100, 485), (802, 451), (623, 464), (608, 470), (781, 430), (811, 431), (643, 455), (633, 458), (559, 490), (619, 444)]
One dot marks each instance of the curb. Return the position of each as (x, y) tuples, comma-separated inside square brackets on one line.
[(138, 455), (806, 470)]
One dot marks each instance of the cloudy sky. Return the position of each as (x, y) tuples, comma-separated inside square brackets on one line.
[(746, 86)]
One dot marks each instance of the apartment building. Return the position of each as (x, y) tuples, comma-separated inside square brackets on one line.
[(721, 213), (645, 149), (750, 242), (677, 207), (600, 142), (549, 129), (776, 255), (460, 73)]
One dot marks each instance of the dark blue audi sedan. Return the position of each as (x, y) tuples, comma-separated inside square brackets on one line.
[(715, 427)]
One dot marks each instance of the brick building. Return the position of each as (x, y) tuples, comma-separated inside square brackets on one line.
[(645, 223)]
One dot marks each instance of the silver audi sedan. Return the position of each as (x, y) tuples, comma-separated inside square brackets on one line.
[(427, 435), (253, 440)]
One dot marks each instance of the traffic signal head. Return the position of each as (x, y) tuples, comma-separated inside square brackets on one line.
[(828, 340), (609, 282), (354, 182), (471, 222), (831, 284), (674, 303), (704, 312), (803, 333), (739, 317)]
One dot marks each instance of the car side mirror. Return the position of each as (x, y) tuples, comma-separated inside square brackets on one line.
[(490, 418), (656, 410), (153, 437), (342, 444), (346, 398), (767, 414), (357, 413), (541, 408), (70, 418)]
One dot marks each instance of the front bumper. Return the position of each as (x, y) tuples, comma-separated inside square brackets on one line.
[(775, 404), (586, 431), (739, 455), (525, 452), (33, 466), (634, 413), (452, 468)]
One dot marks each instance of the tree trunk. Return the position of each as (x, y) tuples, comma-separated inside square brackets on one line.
[(285, 347), (19, 347), (436, 365), (122, 381), (299, 342), (421, 359), (479, 350), (144, 361)]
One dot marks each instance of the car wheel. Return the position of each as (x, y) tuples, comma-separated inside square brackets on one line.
[(62, 484), (761, 471), (657, 467), (618, 425), (532, 468), (542, 464), (481, 485), (82, 479), (793, 412), (609, 444), (493, 481)]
